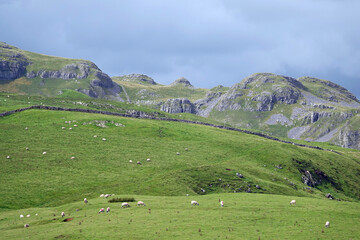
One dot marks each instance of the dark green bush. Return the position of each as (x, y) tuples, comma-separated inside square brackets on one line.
[(125, 199)]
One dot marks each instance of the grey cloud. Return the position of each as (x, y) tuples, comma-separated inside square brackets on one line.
[(211, 42)]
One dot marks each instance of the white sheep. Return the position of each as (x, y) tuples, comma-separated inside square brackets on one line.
[(107, 195), (72, 158), (138, 162), (44, 153), (104, 139), (75, 125), (125, 205), (186, 149), (194, 203), (141, 203), (62, 214), (28, 215), (130, 161), (36, 214), (327, 224), (101, 210), (293, 202), (85, 200), (8, 157), (108, 210), (177, 153), (21, 216), (26, 225), (63, 128), (148, 160), (95, 136), (70, 128), (222, 203), (26, 128), (102, 195), (27, 149)]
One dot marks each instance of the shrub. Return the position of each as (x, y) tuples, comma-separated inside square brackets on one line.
[(125, 199)]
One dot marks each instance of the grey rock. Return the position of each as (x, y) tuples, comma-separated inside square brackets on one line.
[(348, 138), (182, 81), (278, 119), (12, 65), (178, 105), (308, 179), (80, 70)]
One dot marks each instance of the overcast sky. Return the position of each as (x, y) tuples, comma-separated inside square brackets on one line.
[(210, 42)]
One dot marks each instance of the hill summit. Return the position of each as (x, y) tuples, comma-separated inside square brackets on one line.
[(182, 81)]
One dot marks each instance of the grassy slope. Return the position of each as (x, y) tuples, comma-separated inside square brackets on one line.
[(245, 216), (49, 183), (51, 179)]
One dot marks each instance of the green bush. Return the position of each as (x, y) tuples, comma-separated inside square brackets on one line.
[(125, 199)]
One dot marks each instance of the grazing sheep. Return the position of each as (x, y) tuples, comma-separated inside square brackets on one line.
[(293, 202), (125, 205), (28, 215), (44, 153), (70, 128), (62, 214), (36, 214), (327, 224), (222, 203), (101, 210), (148, 160), (75, 125), (26, 128), (8, 157), (141, 203), (21, 216), (26, 225), (108, 210), (104, 139), (186, 149), (187, 194), (102, 195), (138, 162), (130, 161), (27, 149), (107, 195), (177, 153), (85, 200), (72, 158), (194, 203), (95, 136), (63, 128)]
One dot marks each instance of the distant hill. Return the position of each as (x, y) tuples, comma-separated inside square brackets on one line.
[(37, 74), (307, 108)]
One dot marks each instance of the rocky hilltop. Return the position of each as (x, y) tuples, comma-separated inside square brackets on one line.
[(305, 108), (37, 71)]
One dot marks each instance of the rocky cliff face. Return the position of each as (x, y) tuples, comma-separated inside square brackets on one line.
[(79, 70), (178, 105), (12, 65), (348, 138)]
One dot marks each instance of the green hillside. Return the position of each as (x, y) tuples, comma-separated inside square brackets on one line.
[(206, 168)]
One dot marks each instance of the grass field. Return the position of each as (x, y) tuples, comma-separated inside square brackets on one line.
[(47, 184), (244, 216)]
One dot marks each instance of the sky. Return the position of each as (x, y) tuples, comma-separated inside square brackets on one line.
[(210, 42)]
